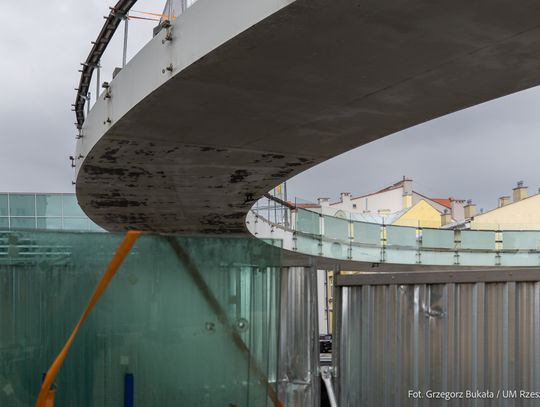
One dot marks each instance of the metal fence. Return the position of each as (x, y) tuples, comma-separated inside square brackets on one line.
[(445, 343)]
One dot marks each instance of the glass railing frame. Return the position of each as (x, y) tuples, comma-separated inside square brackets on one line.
[(457, 252)]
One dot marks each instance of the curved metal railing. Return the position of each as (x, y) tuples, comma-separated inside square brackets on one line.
[(117, 14), (314, 233)]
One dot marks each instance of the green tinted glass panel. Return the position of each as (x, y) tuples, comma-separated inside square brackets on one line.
[(519, 259), (49, 205), (401, 255), (49, 223), (335, 250), (477, 259), (436, 238), (3, 205), (22, 205), (400, 236), (71, 207), (23, 223), (335, 228), (521, 240), (4, 223), (308, 244), (436, 257), (307, 222), (195, 321), (367, 233), (477, 240), (75, 223), (366, 253)]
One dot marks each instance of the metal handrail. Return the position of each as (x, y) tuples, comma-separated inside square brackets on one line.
[(279, 201), (499, 250), (117, 14)]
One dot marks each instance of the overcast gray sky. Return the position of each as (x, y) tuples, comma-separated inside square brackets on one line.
[(478, 153), (42, 44)]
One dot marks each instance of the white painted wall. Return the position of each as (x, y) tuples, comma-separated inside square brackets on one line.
[(391, 200)]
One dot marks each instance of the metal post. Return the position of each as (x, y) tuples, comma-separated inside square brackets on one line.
[(129, 390), (275, 208), (124, 56), (299, 383), (337, 318), (326, 374), (98, 79), (285, 209)]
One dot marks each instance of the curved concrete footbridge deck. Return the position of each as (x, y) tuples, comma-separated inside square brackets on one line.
[(238, 96)]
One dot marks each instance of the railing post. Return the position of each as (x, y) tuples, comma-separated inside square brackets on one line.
[(88, 99), (275, 209), (287, 210), (98, 79), (383, 243), (457, 245), (499, 246), (124, 55), (419, 235), (321, 233)]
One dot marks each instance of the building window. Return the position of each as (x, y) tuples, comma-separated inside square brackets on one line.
[(354, 206)]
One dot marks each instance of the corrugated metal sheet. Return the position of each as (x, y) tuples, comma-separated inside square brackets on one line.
[(299, 383), (440, 338)]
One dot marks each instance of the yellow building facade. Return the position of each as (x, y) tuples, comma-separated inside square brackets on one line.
[(521, 215), (422, 214)]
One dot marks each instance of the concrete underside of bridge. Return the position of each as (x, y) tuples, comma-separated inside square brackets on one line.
[(311, 81)]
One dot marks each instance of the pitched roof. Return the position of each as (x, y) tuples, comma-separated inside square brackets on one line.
[(398, 184), (389, 188), (304, 205), (446, 202)]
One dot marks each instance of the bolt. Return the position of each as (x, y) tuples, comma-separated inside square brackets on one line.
[(167, 68)]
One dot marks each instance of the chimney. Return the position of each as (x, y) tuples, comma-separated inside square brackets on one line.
[(406, 201), (345, 196), (519, 192), (457, 209), (407, 186), (446, 218), (504, 200), (323, 201), (470, 210)]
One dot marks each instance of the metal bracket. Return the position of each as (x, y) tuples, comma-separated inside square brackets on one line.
[(326, 375), (168, 35)]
